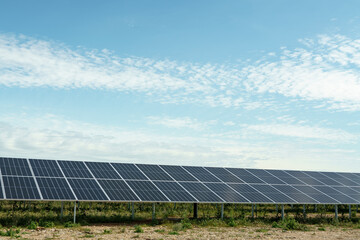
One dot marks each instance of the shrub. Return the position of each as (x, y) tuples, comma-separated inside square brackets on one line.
[(138, 229), (107, 231), (289, 224), (231, 223), (186, 224), (70, 225), (46, 224)]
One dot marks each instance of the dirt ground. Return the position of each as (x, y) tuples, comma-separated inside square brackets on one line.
[(163, 232)]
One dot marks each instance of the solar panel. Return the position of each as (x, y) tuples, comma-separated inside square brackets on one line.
[(178, 173), (147, 191), (154, 172), (102, 170), (87, 189), (340, 179), (45, 168), (15, 167), (201, 174), (21, 188), (129, 171), (285, 177), (55, 189), (75, 169), (200, 192), (224, 175), (35, 179), (244, 175), (175, 192), (295, 194), (304, 178), (251, 193), (265, 176), (315, 194), (322, 178), (118, 190), (273, 193), (342, 198), (226, 192)]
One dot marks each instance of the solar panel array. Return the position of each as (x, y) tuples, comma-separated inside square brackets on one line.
[(34, 179)]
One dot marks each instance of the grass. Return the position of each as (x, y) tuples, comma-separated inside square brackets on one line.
[(138, 229)]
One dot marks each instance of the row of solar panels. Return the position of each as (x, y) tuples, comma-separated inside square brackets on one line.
[(32, 179)]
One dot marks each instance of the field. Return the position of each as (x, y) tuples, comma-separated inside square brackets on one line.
[(43, 220)]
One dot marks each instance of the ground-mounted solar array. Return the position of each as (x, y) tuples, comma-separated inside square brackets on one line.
[(58, 180)]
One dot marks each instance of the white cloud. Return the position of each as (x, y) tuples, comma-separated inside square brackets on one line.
[(55, 137), (326, 70), (181, 122), (301, 131)]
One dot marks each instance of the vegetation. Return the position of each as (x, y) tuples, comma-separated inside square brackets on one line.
[(179, 217)]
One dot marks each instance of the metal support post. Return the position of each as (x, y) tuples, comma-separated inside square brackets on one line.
[(222, 211), (252, 210), (74, 212), (282, 212), (153, 212), (132, 211), (336, 212), (277, 208), (62, 210), (292, 206), (349, 210), (304, 211), (315, 207), (174, 205), (255, 210), (195, 210)]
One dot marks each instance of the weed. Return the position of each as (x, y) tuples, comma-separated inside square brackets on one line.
[(160, 230), (107, 231), (89, 235), (262, 230), (33, 225), (231, 223), (173, 233), (46, 224), (138, 229), (321, 229), (70, 225), (289, 224), (177, 227), (186, 224)]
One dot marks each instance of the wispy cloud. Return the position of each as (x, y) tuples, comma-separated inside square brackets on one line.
[(326, 70), (301, 131)]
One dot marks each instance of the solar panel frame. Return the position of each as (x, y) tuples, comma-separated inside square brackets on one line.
[(224, 175), (102, 170), (45, 168), (172, 191), (19, 167), (154, 172), (50, 187), (75, 169), (129, 171), (178, 173), (201, 174), (142, 189), (265, 176), (20, 188), (244, 175), (201, 192)]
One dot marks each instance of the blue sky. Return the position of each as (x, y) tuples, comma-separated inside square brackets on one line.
[(263, 84)]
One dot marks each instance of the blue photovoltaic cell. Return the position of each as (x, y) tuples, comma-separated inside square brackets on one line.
[(315, 194), (285, 177), (336, 194), (55, 189), (45, 168), (102, 170), (154, 172), (226, 193), (265, 176), (20, 188), (251, 193), (200, 192), (324, 179), (244, 175), (272, 193), (147, 191), (87, 189), (224, 175), (14, 167), (118, 190), (295, 194), (304, 178), (74, 169), (178, 173), (352, 177), (175, 192), (201, 174), (129, 171)]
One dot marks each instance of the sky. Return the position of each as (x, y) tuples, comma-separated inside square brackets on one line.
[(255, 84)]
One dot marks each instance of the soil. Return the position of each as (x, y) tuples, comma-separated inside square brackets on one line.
[(163, 232)]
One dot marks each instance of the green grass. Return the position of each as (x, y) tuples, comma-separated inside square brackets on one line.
[(138, 229)]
